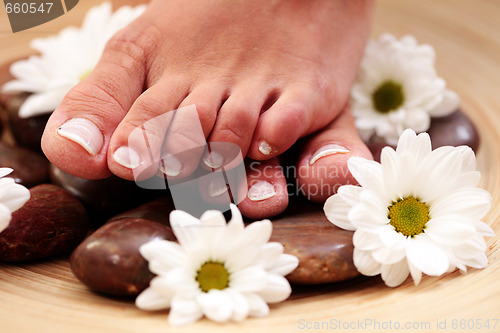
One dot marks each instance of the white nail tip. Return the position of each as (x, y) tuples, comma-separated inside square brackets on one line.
[(171, 166), (265, 148), (327, 150), (83, 132), (213, 160), (261, 190), (216, 188), (127, 157)]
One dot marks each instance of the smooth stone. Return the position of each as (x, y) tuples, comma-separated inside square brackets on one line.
[(454, 130), (51, 222), (324, 251), (157, 211), (27, 132), (103, 198), (30, 168), (109, 261)]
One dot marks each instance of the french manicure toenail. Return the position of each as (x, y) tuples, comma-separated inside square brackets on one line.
[(170, 165), (261, 190), (83, 132), (213, 160), (265, 148), (327, 150), (217, 187), (127, 157)]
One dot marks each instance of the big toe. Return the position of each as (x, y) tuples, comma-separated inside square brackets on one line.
[(322, 165), (78, 132)]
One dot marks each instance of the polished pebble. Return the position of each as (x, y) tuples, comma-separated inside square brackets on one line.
[(30, 168)]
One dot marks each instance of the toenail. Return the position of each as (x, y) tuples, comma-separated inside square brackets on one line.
[(83, 132), (127, 157), (170, 165), (217, 187), (261, 190), (331, 149), (265, 148), (213, 160)]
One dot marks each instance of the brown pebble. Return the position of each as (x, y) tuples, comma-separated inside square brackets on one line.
[(156, 211), (109, 261), (324, 251), (51, 222), (30, 168)]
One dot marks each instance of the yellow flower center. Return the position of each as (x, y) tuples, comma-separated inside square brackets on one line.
[(409, 215), (388, 96), (212, 275), (85, 74)]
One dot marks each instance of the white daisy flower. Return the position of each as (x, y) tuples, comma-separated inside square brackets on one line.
[(12, 197), (397, 87), (221, 270), (65, 59), (418, 211)]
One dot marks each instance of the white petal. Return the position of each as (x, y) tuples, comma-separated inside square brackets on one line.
[(472, 248), (13, 195), (391, 238), (256, 233), (471, 203), (415, 274), (42, 103), (240, 303), (367, 173), (275, 261), (336, 210), (186, 228), (365, 264), (406, 141), (277, 289), (150, 300), (5, 217), (388, 256), (258, 307), (366, 241), (395, 274), (484, 229), (216, 305), (250, 279), (479, 262), (184, 311), (362, 217), (448, 104), (426, 256), (449, 230), (162, 255), (5, 171)]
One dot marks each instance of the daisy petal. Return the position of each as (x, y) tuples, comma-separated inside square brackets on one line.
[(395, 274), (365, 240), (258, 307), (216, 305), (449, 230), (5, 171), (276, 289), (448, 104), (150, 300), (471, 203), (426, 256), (336, 210), (365, 264), (250, 279), (186, 228), (484, 229), (184, 311), (416, 275), (240, 304), (388, 256)]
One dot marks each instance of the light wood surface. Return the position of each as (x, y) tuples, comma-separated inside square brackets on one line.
[(45, 297)]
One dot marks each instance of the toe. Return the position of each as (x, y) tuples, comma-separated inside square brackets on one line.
[(267, 193), (135, 146), (77, 134), (296, 113), (185, 141), (322, 165)]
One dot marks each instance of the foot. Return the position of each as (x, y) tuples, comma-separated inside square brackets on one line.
[(317, 174), (260, 74)]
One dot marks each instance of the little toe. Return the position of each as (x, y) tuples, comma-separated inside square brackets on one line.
[(322, 165), (77, 134), (267, 193)]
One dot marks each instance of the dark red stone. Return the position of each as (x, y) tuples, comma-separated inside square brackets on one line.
[(324, 251), (109, 261), (51, 222), (103, 197), (157, 211), (454, 130), (30, 168)]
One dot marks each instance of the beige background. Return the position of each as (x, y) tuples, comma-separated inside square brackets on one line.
[(45, 297)]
